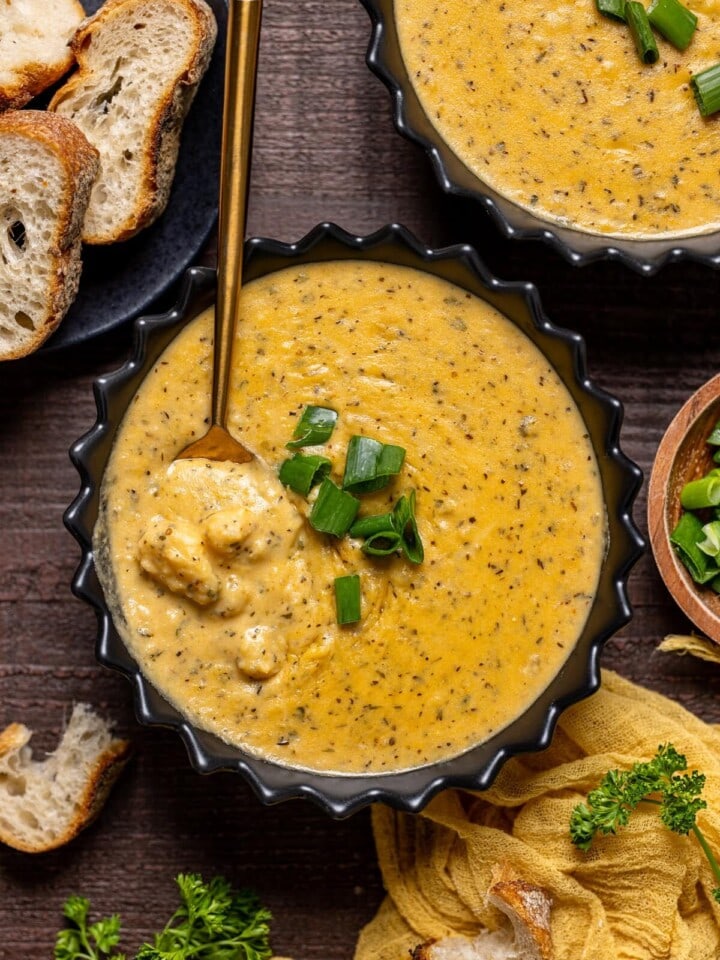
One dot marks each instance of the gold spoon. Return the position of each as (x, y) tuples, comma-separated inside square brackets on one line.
[(243, 35)]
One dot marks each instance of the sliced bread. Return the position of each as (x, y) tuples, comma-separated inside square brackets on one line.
[(45, 803), (528, 936), (34, 46), (139, 65), (47, 169)]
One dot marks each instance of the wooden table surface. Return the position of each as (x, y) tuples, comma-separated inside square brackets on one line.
[(325, 149)]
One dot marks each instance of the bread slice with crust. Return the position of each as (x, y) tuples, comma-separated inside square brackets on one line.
[(529, 937), (139, 66), (34, 46), (47, 169), (45, 803)]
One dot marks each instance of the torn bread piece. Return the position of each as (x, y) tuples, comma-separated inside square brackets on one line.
[(35, 46), (139, 65), (45, 803), (526, 906), (47, 169)]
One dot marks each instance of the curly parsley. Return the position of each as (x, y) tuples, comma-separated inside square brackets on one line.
[(656, 781), (213, 922)]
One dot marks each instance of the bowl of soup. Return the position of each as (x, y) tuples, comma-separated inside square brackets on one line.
[(218, 585), (546, 114)]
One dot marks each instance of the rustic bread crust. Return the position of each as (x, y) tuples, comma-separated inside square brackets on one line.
[(33, 77), (100, 779), (166, 122), (527, 907), (79, 160)]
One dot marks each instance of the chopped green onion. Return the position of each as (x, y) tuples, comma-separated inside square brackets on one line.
[(684, 539), (714, 438), (706, 87), (613, 9), (382, 543), (406, 525), (701, 493), (334, 510), (369, 464), (673, 20), (637, 20), (302, 472), (315, 426), (715, 584), (367, 526), (716, 457), (711, 544), (347, 599)]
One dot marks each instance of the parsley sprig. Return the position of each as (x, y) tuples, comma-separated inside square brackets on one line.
[(84, 941), (213, 922), (660, 781)]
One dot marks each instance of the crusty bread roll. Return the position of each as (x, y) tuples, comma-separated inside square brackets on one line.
[(45, 803), (139, 65), (47, 169), (34, 46), (529, 937)]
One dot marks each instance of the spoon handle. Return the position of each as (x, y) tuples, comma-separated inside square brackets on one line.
[(243, 36)]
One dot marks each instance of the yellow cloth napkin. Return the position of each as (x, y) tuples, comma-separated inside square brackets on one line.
[(644, 894), (696, 646)]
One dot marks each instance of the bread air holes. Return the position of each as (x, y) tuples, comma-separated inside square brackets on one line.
[(23, 320), (103, 100), (13, 237), (12, 786)]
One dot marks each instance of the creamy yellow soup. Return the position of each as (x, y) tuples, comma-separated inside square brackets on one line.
[(550, 105), (225, 594)]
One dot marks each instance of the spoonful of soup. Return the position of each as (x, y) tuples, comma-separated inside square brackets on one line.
[(243, 35)]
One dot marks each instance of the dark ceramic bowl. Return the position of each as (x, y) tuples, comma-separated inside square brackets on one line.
[(646, 256), (340, 794)]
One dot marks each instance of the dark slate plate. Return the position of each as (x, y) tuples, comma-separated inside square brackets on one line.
[(121, 281)]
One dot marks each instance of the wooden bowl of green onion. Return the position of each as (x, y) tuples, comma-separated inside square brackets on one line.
[(684, 508)]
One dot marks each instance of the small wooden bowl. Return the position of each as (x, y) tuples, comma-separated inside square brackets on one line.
[(684, 455)]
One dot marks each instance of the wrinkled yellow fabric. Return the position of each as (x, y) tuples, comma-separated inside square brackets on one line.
[(644, 894), (692, 644)]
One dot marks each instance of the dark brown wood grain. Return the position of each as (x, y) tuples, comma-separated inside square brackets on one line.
[(325, 149)]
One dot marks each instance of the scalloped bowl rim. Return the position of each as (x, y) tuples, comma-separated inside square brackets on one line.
[(342, 794), (578, 247)]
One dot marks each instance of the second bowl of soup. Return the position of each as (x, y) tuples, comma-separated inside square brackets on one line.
[(547, 114)]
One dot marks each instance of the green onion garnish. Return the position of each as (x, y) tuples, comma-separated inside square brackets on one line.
[(673, 20), (684, 539), (387, 532), (382, 543), (716, 456), (714, 438), (369, 464), (368, 526), (347, 599), (637, 20), (303, 471), (315, 426), (701, 493), (706, 87), (613, 9), (405, 523), (711, 544), (334, 510)]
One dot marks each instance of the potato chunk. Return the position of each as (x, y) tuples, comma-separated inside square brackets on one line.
[(227, 530), (262, 652), (173, 553)]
